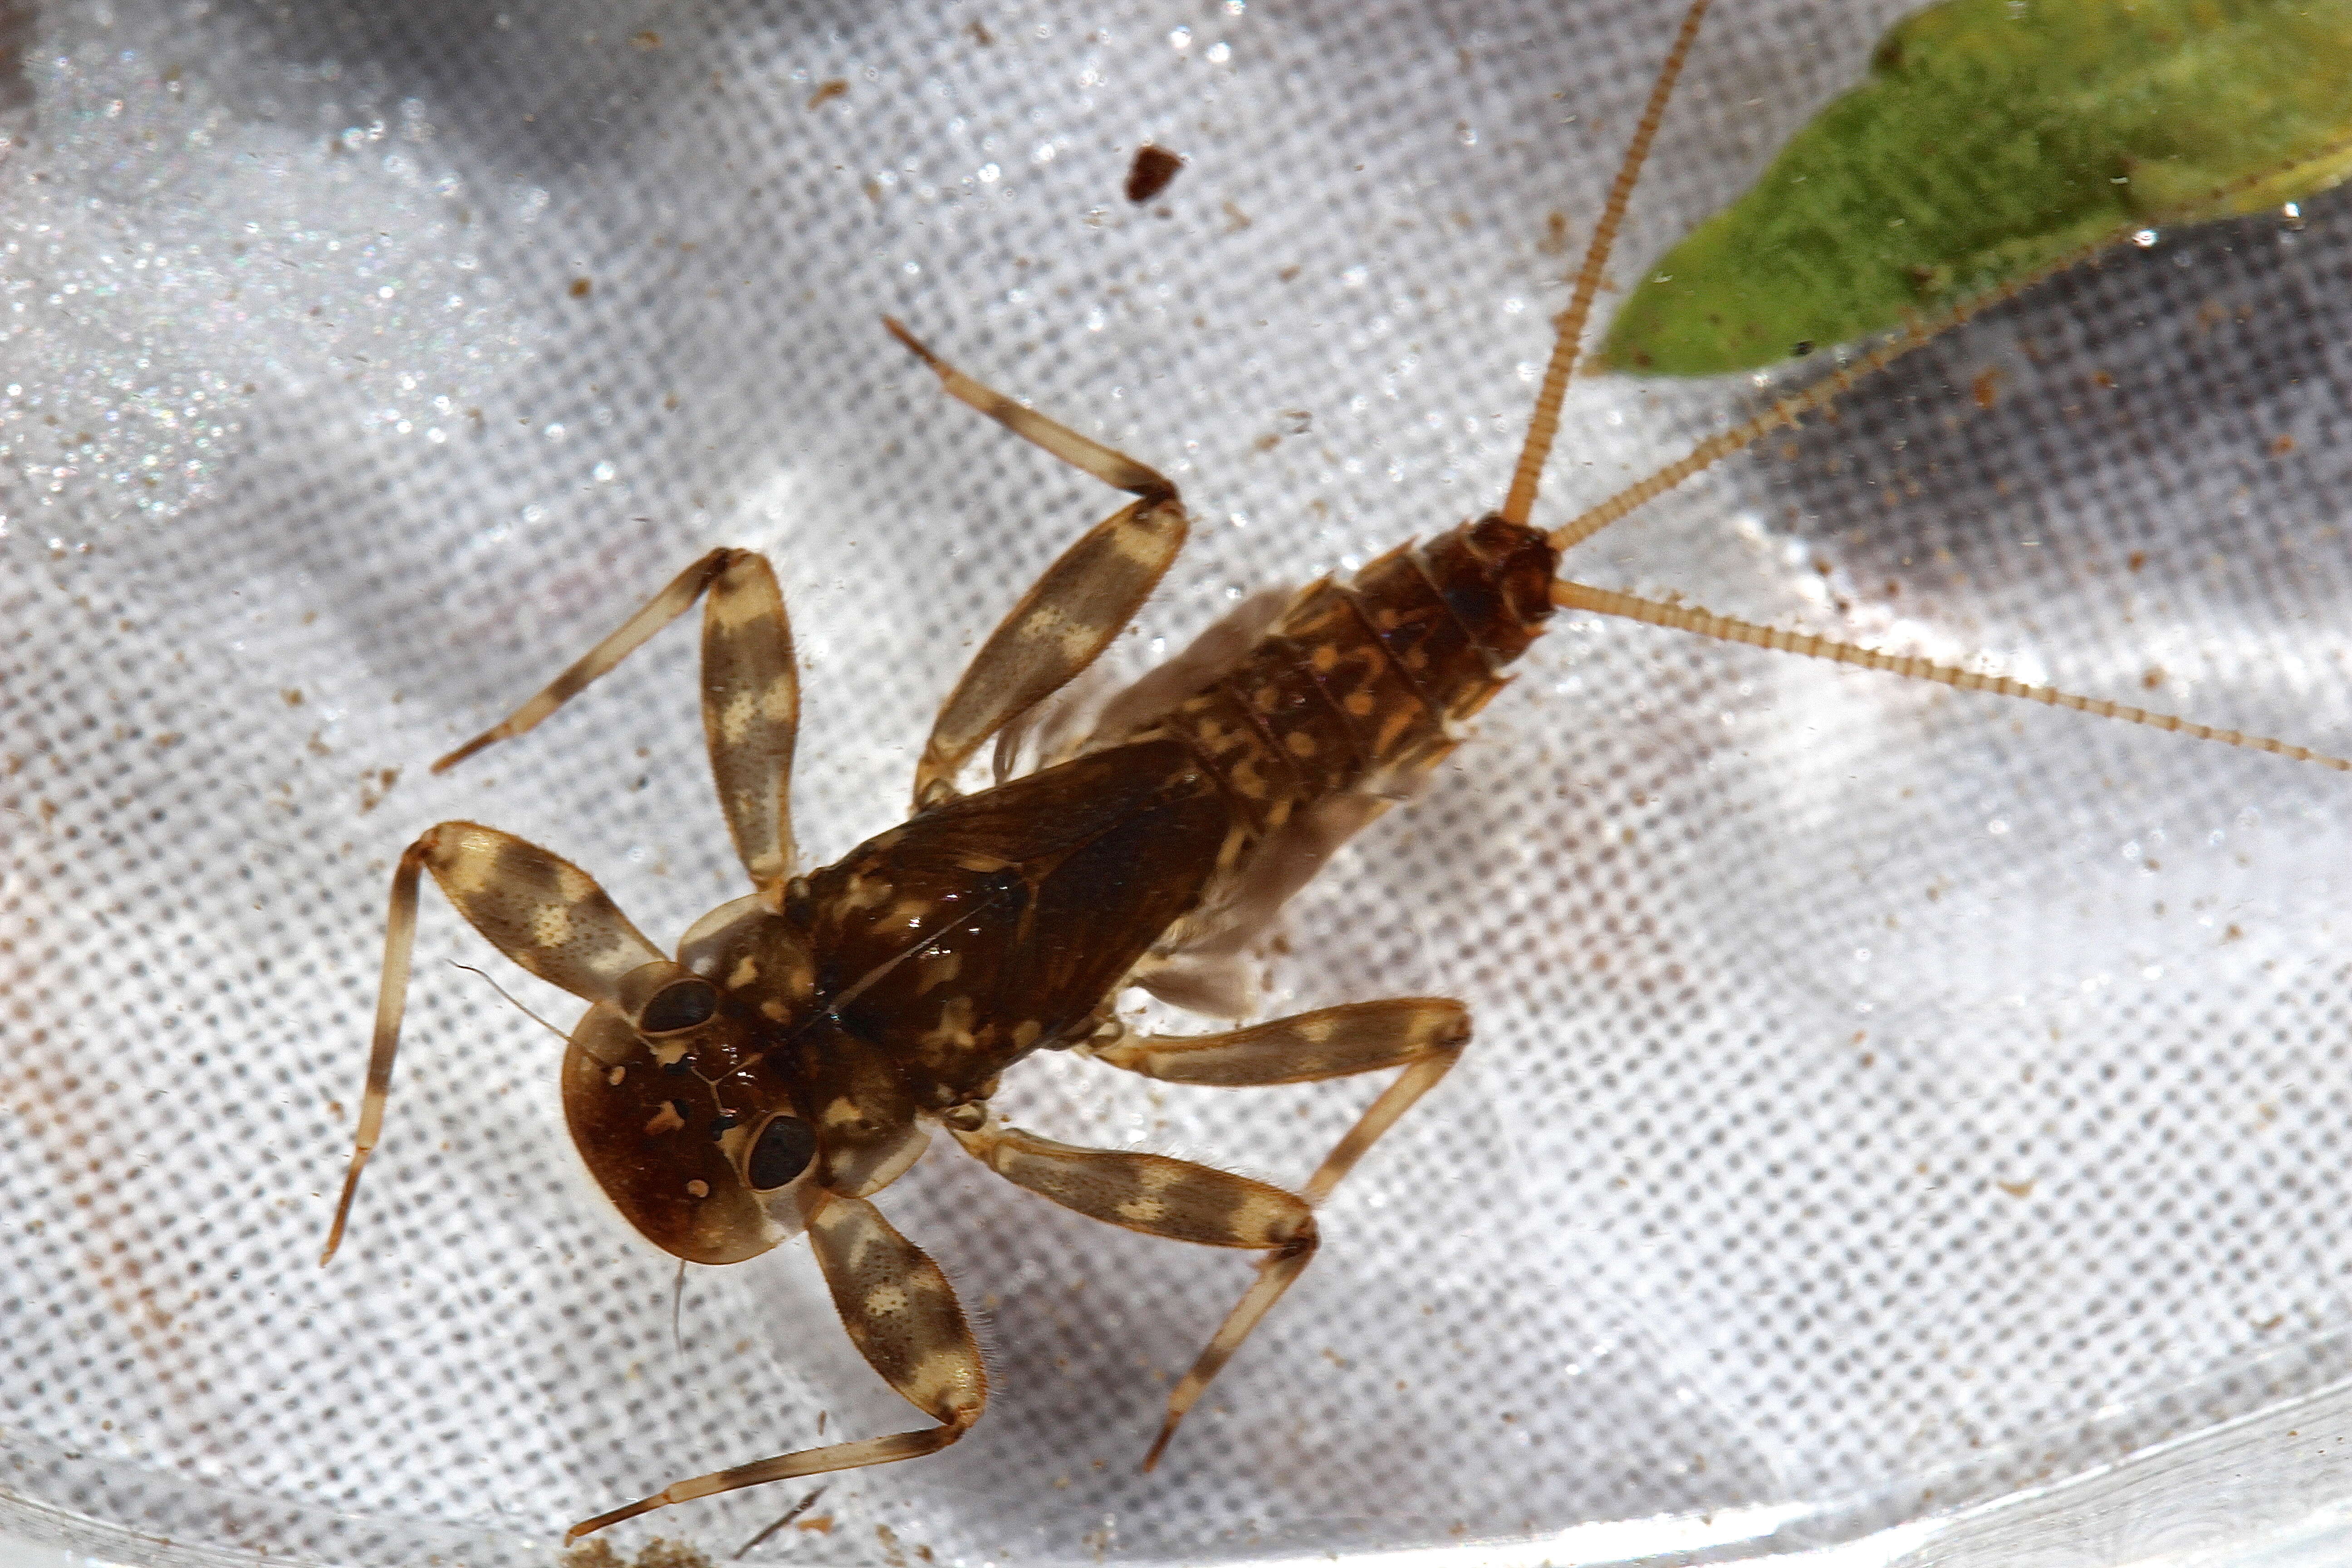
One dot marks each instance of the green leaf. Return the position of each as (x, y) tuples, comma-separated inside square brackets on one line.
[(1991, 141)]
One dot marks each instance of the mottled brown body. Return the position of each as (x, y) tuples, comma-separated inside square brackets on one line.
[(901, 981), (797, 1054), (1359, 686)]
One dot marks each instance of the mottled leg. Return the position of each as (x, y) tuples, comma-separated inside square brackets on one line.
[(391, 1004), (537, 909), (1111, 466), (903, 1318), (1423, 1034), (1159, 1196), (750, 697), (657, 612), (751, 712), (1072, 613)]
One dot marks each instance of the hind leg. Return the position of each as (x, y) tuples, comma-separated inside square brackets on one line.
[(1072, 613), (905, 1321)]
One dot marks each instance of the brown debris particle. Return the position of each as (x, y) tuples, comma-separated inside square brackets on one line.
[(1986, 387), (658, 1552), (581, 287), (2281, 446), (375, 786), (827, 91), (1149, 174), (2023, 1189)]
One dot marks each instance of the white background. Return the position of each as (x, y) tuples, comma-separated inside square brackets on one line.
[(1883, 1098)]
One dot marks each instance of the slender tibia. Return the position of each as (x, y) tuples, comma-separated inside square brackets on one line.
[(391, 1003), (1275, 1274), (1112, 467), (1723, 628), (658, 612), (783, 1467), (1172, 1198), (903, 1318)]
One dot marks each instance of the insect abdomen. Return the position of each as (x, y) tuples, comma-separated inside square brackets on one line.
[(1358, 685)]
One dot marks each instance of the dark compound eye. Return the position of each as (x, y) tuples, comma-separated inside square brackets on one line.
[(786, 1146), (679, 1006)]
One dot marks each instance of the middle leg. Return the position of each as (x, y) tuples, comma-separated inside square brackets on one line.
[(1423, 1034), (1160, 1196), (1184, 1201)]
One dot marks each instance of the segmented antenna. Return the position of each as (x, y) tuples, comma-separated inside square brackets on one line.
[(1569, 326), (1724, 628), (1789, 411)]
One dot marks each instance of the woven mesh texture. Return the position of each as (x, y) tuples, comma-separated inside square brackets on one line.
[(1881, 1098)]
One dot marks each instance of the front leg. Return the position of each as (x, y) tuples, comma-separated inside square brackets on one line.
[(903, 1316), (540, 910)]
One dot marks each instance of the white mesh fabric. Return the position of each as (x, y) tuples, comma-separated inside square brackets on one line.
[(1882, 1099)]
